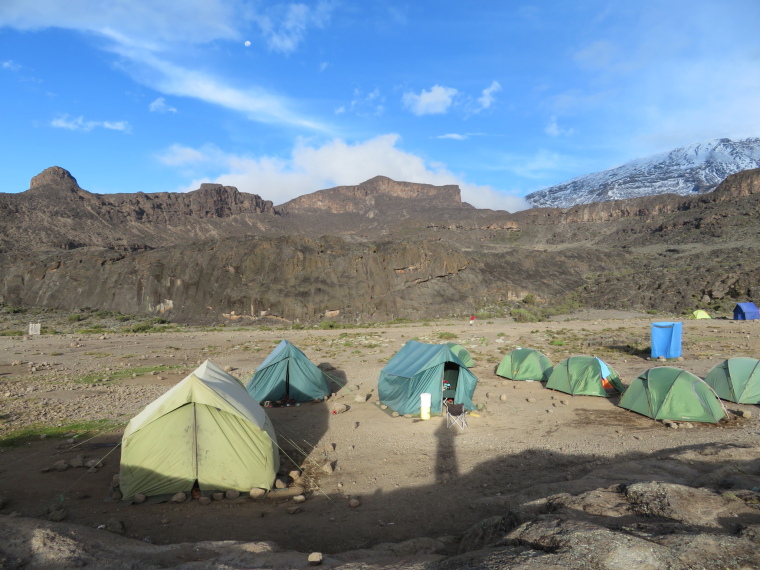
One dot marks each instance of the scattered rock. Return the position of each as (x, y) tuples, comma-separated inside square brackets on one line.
[(139, 498), (328, 468), (115, 481), (353, 503), (204, 501), (489, 395), (295, 475), (383, 407), (115, 525), (257, 493), (179, 498), (361, 398), (488, 531), (57, 515), (338, 408), (94, 463), (564, 402), (743, 413), (61, 465), (280, 483), (315, 559), (503, 397), (530, 400), (395, 414), (299, 499), (220, 496), (232, 494), (117, 496), (294, 510), (78, 461)]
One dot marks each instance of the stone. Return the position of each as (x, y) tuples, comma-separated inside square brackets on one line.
[(280, 483), (360, 398), (395, 414), (179, 497), (564, 402), (204, 501), (328, 468), (115, 481), (744, 414), (299, 499), (115, 525), (295, 475), (57, 515), (220, 496), (139, 498), (661, 358), (232, 494), (383, 407), (294, 510), (353, 503), (487, 531), (338, 408), (503, 397), (530, 400), (257, 493), (117, 495), (94, 463), (78, 461), (61, 465), (315, 559), (489, 395)]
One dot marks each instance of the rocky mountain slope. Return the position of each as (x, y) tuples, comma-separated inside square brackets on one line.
[(375, 251), (696, 168)]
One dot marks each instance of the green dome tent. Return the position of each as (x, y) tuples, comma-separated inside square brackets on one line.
[(525, 364), (419, 368), (287, 375), (462, 353), (584, 376), (205, 429), (700, 314), (669, 393), (736, 380)]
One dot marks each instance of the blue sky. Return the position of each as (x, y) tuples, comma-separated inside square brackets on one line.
[(282, 99)]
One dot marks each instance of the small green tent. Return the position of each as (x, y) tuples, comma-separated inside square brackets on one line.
[(525, 364), (205, 429), (462, 353), (287, 375), (419, 368), (584, 376), (736, 380), (669, 393), (700, 314)]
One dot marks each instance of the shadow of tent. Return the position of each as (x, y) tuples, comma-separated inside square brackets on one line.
[(300, 431), (336, 378)]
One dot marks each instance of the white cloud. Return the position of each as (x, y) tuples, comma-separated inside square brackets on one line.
[(284, 26), (364, 105), (487, 98), (454, 136), (436, 101), (336, 163), (160, 106), (553, 129), (79, 124), (9, 65), (323, 65)]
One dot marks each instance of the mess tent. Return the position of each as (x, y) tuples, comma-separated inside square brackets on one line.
[(746, 312), (736, 380), (585, 376), (669, 393), (525, 364), (288, 376), (205, 431), (420, 368)]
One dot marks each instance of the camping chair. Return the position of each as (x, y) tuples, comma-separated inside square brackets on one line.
[(455, 415)]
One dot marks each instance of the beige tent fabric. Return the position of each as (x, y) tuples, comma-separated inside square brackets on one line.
[(206, 428)]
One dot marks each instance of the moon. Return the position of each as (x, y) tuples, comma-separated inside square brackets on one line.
[(247, 43)]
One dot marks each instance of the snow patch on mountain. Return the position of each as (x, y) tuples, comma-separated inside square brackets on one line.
[(692, 169)]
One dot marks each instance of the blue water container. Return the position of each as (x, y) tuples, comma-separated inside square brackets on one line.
[(666, 340)]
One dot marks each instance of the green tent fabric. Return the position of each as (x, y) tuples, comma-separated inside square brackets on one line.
[(584, 376), (669, 393), (700, 314), (736, 380), (287, 375), (419, 368), (205, 429), (525, 364), (462, 353)]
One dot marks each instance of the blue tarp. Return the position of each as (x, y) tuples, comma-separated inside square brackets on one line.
[(746, 312), (666, 340)]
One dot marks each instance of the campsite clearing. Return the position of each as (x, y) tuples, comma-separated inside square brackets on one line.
[(412, 478)]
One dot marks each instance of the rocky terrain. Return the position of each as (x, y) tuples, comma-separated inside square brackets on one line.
[(538, 479), (689, 170), (377, 251)]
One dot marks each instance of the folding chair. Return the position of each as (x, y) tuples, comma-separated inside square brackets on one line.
[(455, 415)]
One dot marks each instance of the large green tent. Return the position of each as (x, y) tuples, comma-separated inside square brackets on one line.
[(419, 368), (205, 429), (584, 376), (287, 375), (463, 354), (736, 380), (525, 364), (669, 393)]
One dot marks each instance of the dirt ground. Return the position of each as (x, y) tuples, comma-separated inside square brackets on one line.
[(414, 478)]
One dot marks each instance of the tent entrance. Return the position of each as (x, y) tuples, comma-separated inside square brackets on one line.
[(450, 381)]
